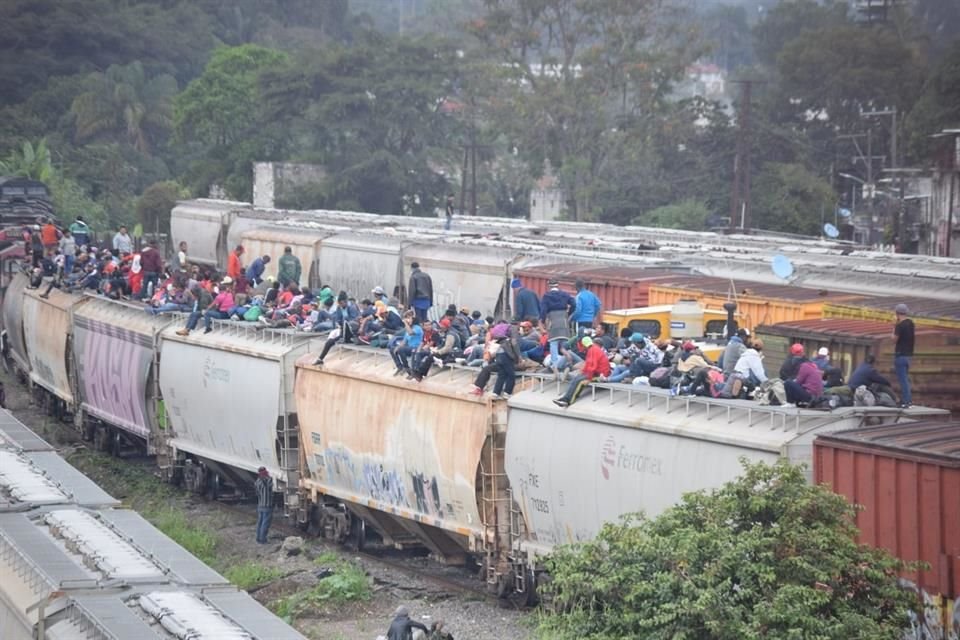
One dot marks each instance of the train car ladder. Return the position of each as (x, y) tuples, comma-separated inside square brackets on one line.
[(495, 501)]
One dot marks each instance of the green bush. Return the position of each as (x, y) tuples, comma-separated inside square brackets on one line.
[(348, 583), (199, 541), (764, 556)]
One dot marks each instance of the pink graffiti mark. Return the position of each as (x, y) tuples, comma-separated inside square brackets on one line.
[(113, 372), (607, 456)]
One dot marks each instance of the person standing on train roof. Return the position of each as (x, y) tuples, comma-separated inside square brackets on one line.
[(234, 265), (80, 231), (289, 268), (595, 367), (420, 291), (254, 273), (151, 263), (50, 237), (555, 309), (264, 489), (904, 332), (122, 242), (526, 305), (180, 259), (68, 247), (588, 307)]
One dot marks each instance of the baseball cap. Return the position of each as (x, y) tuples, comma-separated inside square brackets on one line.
[(516, 284), (902, 309), (227, 280), (586, 341), (689, 346), (262, 471), (796, 349), (378, 290), (445, 323), (526, 324), (636, 337), (823, 351)]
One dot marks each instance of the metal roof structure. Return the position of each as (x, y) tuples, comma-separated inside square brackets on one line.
[(914, 441), (17, 435)]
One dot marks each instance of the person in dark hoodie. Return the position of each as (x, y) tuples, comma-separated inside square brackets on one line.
[(555, 309), (402, 626), (788, 371), (732, 352), (526, 306), (866, 375)]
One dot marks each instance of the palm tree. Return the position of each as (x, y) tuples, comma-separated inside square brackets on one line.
[(124, 103), (30, 161)]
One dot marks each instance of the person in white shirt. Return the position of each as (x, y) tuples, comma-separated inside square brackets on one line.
[(122, 242), (750, 364)]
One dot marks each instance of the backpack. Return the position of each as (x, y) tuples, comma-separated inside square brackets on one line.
[(253, 314), (660, 377), (772, 393), (863, 397)]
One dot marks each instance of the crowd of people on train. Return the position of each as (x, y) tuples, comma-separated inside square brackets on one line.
[(558, 333)]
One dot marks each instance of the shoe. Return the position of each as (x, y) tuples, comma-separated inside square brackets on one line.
[(437, 362), (318, 362), (398, 371), (905, 405), (183, 332), (476, 391), (44, 296), (263, 320), (460, 360), (504, 396), (207, 330), (364, 340), (560, 402)]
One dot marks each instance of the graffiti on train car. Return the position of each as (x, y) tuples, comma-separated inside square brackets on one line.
[(941, 616), (114, 365), (417, 490)]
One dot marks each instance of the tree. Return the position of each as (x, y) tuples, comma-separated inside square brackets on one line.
[(154, 206), (938, 105), (29, 162), (123, 103), (576, 76), (218, 119), (788, 197), (686, 214), (764, 556)]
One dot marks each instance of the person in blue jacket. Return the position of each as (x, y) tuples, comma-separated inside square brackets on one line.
[(588, 307), (555, 309)]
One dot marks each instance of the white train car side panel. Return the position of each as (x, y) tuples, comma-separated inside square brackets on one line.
[(13, 321), (474, 276), (222, 405), (271, 242), (622, 451), (46, 328), (358, 263)]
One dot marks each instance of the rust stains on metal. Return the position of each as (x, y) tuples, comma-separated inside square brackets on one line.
[(907, 479)]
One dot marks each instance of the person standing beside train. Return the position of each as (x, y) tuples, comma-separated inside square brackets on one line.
[(289, 268), (420, 292), (234, 266), (264, 489), (526, 306), (904, 332), (555, 309), (80, 231), (587, 310), (122, 242)]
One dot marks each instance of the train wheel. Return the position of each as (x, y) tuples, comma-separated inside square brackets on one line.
[(116, 443), (357, 537), (215, 487)]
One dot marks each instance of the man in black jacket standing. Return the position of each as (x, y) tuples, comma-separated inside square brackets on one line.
[(903, 352), (420, 292), (402, 626)]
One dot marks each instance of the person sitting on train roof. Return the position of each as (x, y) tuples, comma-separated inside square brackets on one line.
[(529, 342), (403, 345), (345, 321), (832, 375), (254, 273), (807, 386), (172, 299), (525, 302), (596, 366), (866, 375), (750, 364), (732, 352), (202, 299), (220, 308), (378, 294), (695, 370), (791, 365)]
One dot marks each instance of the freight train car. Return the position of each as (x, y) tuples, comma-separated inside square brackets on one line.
[(906, 478), (228, 397), (114, 348), (622, 449), (419, 462), (74, 567)]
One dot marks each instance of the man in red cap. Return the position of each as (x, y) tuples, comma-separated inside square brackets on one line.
[(792, 364), (264, 488)]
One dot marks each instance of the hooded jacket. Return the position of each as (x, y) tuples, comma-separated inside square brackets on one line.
[(596, 363), (288, 269)]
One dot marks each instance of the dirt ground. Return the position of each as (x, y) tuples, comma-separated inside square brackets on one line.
[(228, 532)]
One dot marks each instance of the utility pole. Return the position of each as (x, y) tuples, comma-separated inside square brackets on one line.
[(740, 192)]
